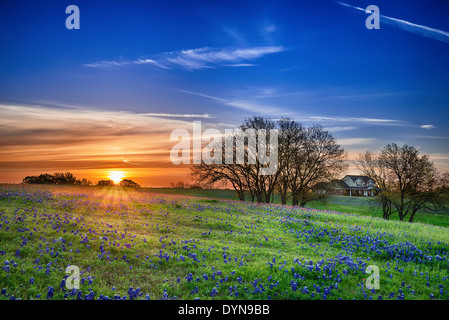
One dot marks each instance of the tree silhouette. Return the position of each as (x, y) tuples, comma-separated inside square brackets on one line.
[(306, 158), (109, 183), (56, 178), (129, 183), (408, 181)]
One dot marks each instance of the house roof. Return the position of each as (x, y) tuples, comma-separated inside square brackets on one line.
[(340, 184), (354, 178)]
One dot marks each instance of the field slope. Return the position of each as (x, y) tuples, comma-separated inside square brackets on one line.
[(133, 244)]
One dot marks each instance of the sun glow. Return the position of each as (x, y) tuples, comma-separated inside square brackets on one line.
[(116, 176)]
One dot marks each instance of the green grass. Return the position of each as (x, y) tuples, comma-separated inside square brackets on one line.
[(230, 246), (365, 206)]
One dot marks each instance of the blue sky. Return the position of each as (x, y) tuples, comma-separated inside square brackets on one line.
[(219, 62)]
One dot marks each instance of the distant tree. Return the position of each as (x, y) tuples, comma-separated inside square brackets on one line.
[(56, 178), (195, 186), (306, 157), (444, 182), (441, 205), (178, 185), (413, 179), (129, 183), (105, 183), (44, 178), (291, 133), (210, 175), (85, 182), (408, 182), (315, 158), (260, 186), (64, 178), (371, 165)]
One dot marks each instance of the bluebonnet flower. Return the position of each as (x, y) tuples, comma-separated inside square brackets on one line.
[(62, 284), (50, 293), (214, 292)]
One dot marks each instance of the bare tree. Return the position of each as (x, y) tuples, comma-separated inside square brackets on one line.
[(411, 178), (207, 175), (443, 189), (306, 157), (373, 167), (129, 183), (56, 178), (290, 137), (408, 182), (241, 163), (316, 158), (261, 186), (108, 183), (85, 182)]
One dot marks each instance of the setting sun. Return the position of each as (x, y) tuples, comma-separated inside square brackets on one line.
[(116, 176)]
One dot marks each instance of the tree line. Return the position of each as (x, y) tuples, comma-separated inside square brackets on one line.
[(307, 157), (310, 160), (68, 178), (408, 182)]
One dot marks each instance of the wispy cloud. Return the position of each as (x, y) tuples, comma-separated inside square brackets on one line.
[(429, 137), (339, 129), (256, 105), (133, 163), (253, 106), (179, 115), (204, 95), (428, 126), (236, 35), (363, 96), (356, 141), (242, 104), (242, 65), (421, 30), (376, 121), (78, 138), (195, 59)]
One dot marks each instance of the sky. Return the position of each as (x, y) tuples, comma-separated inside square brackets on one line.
[(106, 97)]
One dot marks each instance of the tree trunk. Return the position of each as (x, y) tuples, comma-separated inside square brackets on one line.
[(241, 195), (386, 210), (412, 215), (283, 198), (295, 200)]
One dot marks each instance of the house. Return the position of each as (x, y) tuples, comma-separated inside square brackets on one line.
[(352, 185)]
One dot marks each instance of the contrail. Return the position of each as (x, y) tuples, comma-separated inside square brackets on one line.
[(129, 162), (424, 31)]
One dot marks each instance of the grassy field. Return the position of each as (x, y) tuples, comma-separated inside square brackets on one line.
[(139, 244), (365, 206)]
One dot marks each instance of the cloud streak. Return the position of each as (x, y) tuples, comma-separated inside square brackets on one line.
[(179, 115), (241, 104), (196, 59), (356, 141), (374, 121), (411, 27), (254, 105)]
